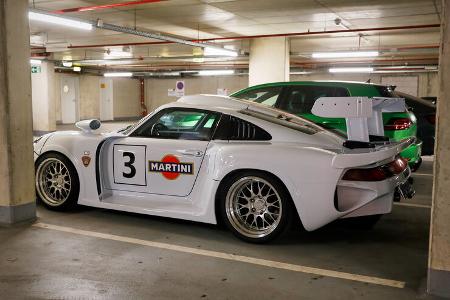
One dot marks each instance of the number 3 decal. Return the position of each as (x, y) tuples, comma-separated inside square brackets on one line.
[(129, 165)]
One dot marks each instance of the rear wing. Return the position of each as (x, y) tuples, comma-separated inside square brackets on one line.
[(363, 115), (351, 158)]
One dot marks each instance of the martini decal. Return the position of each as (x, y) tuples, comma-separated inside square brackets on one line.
[(170, 167)]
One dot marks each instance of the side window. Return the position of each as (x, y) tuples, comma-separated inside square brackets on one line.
[(267, 96), (179, 123), (233, 128), (300, 99)]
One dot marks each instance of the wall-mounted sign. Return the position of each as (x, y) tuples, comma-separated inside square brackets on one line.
[(222, 92), (171, 93), (179, 88), (102, 85), (35, 69)]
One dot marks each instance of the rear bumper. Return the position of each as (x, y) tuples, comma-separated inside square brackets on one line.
[(362, 198), (413, 153)]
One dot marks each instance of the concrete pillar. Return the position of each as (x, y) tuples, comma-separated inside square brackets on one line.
[(439, 256), (17, 196), (43, 98), (269, 60)]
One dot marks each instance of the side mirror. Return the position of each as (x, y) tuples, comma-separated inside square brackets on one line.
[(88, 125)]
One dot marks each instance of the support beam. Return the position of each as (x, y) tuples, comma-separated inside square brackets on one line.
[(43, 95), (439, 256), (269, 60), (17, 195)]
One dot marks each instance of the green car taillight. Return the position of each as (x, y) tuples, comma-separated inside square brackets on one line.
[(398, 124)]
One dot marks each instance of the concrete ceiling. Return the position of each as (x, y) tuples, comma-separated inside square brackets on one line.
[(211, 19)]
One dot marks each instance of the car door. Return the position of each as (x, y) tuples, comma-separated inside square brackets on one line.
[(163, 155)]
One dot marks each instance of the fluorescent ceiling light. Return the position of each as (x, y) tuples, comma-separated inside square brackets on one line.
[(345, 54), (215, 72), (118, 74), (350, 70), (49, 18), (67, 64), (115, 54), (213, 51), (35, 61), (77, 69)]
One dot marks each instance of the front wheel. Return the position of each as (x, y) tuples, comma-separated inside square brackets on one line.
[(255, 206), (57, 183)]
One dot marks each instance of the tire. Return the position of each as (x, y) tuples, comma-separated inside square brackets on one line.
[(57, 182), (250, 199)]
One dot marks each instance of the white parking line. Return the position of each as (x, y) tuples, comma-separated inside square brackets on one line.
[(412, 205), (422, 174), (228, 256)]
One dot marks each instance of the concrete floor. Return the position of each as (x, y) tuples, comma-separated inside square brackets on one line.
[(39, 263)]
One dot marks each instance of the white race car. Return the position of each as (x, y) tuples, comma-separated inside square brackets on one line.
[(216, 159)]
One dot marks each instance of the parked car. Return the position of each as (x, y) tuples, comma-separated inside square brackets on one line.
[(216, 159), (425, 112), (298, 98)]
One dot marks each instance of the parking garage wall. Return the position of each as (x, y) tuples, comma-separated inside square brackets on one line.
[(126, 97), (126, 92), (157, 89)]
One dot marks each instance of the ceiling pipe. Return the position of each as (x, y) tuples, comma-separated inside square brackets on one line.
[(377, 63), (105, 6), (306, 33), (157, 36)]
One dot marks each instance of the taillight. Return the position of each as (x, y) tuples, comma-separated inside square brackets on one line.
[(372, 174), (397, 166), (398, 124), (378, 173), (431, 119)]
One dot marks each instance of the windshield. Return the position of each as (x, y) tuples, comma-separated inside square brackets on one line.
[(127, 129)]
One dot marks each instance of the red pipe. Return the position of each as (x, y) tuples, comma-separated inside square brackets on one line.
[(143, 106), (263, 36), (105, 6)]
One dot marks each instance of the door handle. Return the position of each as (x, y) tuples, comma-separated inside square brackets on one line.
[(191, 152)]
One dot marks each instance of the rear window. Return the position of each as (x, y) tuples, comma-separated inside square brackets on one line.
[(300, 99), (417, 105), (385, 91), (267, 96)]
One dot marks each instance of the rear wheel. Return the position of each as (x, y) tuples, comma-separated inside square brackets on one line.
[(255, 206), (57, 183)]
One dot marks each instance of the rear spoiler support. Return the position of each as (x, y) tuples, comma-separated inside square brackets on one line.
[(363, 115)]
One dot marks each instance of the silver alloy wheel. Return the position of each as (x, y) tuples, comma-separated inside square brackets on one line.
[(253, 207), (53, 181)]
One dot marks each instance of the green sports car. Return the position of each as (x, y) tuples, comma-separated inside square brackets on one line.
[(298, 98)]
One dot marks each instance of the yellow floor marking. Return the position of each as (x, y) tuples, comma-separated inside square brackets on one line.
[(228, 256), (412, 205)]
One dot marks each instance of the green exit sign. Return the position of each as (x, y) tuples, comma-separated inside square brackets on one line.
[(35, 69)]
